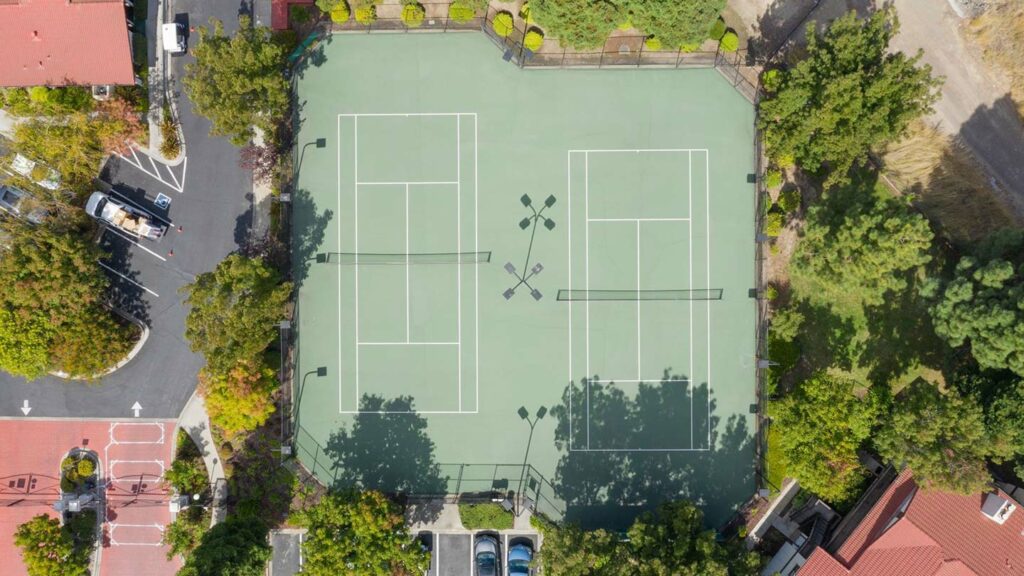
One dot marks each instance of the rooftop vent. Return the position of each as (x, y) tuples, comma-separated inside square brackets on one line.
[(997, 508)]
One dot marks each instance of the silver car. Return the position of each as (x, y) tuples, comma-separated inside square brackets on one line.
[(486, 555)]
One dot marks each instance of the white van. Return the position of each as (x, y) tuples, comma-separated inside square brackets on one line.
[(173, 35)]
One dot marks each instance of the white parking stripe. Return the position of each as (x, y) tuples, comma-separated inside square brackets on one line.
[(155, 173), (129, 238), (108, 268)]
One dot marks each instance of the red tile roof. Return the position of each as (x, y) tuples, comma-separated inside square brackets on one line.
[(940, 534), (62, 42)]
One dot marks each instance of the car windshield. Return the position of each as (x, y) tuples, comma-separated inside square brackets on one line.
[(518, 567)]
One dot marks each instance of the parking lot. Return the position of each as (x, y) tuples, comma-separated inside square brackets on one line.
[(452, 552)]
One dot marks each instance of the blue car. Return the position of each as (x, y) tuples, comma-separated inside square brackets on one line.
[(519, 557)]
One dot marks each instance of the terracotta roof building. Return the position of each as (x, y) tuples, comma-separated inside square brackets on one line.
[(64, 42), (913, 532)]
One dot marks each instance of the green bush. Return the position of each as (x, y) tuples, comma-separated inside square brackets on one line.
[(687, 48), (773, 223), (526, 13), (82, 526), (770, 80), (298, 14), (503, 24), (486, 515), (340, 13), (68, 464), (771, 292), (86, 468), (461, 12), (366, 14), (533, 40), (67, 485), (772, 179), (652, 43), (717, 30), (730, 42), (785, 161), (789, 200), (38, 94), (627, 25), (412, 15), (170, 146)]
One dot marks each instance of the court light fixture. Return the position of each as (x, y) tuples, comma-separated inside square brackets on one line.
[(523, 412), (321, 142), (549, 223), (510, 268), (536, 268), (541, 412), (508, 294), (321, 371), (524, 223), (550, 201), (321, 257), (536, 294), (526, 200)]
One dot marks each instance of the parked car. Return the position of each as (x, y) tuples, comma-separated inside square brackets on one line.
[(126, 218), (425, 539), (173, 36), (18, 203), (486, 555), (520, 555)]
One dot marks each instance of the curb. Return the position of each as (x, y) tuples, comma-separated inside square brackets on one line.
[(128, 358), (156, 105)]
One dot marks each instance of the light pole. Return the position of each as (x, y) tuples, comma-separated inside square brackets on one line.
[(525, 415), (320, 371)]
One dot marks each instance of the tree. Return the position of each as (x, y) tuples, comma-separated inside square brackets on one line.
[(672, 540), (52, 315), (1005, 421), (848, 95), (360, 533), (47, 549), (238, 82), (984, 304), (241, 399), (672, 22), (822, 424), (234, 311), (187, 476), (571, 551), (940, 436), (579, 24), (857, 247), (235, 547), (185, 533)]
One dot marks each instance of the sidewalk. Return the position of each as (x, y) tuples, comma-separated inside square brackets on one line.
[(195, 422)]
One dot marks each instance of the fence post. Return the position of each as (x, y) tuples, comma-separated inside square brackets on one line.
[(562, 63), (640, 54)]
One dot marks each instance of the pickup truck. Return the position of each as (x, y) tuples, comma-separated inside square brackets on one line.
[(123, 217)]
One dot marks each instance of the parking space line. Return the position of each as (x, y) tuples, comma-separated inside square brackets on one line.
[(155, 173), (505, 553), (109, 269), (472, 542), (128, 238)]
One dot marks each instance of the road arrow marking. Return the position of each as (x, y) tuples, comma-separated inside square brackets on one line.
[(25, 408), (136, 408)]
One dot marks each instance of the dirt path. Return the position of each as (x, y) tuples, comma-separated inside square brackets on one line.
[(975, 105)]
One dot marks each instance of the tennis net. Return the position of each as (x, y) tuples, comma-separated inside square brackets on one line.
[(636, 295), (378, 259)]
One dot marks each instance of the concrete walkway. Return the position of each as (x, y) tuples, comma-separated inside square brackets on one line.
[(196, 423), (7, 124)]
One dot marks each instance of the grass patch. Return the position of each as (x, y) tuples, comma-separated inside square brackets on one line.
[(485, 515), (948, 185), (999, 32), (775, 471)]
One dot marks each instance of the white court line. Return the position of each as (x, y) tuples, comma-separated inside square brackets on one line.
[(408, 329), (408, 412), (640, 450), (568, 188), (129, 239), (707, 228), (638, 220), (339, 269), (406, 114), (109, 269), (355, 224), (421, 183), (458, 244), (639, 373), (636, 150), (586, 242), (407, 343), (476, 264), (640, 381), (689, 176)]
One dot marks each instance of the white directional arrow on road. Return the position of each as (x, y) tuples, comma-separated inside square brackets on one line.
[(25, 408), (136, 408)]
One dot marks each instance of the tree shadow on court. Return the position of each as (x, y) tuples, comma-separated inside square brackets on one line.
[(308, 226), (630, 468), (387, 451)]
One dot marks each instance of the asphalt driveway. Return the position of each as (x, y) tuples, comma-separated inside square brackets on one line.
[(211, 205)]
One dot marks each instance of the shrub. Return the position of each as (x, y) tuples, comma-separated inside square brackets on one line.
[(770, 80), (86, 468), (773, 223), (503, 24), (789, 200), (38, 94), (730, 42), (170, 146), (526, 13), (533, 40), (772, 179), (366, 14), (412, 15), (340, 13), (717, 30), (485, 515), (627, 25), (652, 43), (460, 12), (298, 14), (68, 464), (687, 48), (771, 292), (785, 161)]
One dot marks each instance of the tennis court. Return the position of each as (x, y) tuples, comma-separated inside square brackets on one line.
[(526, 281)]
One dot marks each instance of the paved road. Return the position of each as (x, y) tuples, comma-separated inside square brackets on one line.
[(213, 211), (973, 105)]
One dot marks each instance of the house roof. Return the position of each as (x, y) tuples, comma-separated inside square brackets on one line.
[(938, 534), (64, 42)]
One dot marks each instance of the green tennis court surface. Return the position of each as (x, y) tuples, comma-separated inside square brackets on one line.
[(476, 244)]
